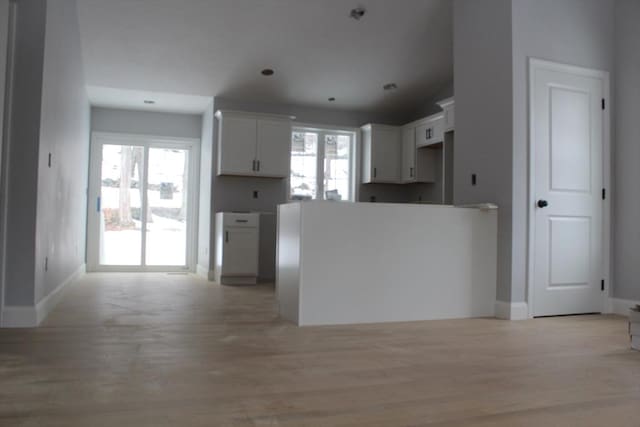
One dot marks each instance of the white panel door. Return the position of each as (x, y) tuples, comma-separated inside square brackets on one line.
[(567, 125), (237, 145), (274, 148)]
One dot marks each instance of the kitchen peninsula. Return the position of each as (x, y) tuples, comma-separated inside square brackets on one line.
[(341, 263)]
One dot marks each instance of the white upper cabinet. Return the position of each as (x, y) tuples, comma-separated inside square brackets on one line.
[(237, 139), (408, 154), (253, 145), (448, 107), (274, 148), (381, 151), (430, 130)]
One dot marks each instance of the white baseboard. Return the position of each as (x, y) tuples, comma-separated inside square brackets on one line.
[(511, 310), (620, 306), (31, 316), (202, 272), (19, 316)]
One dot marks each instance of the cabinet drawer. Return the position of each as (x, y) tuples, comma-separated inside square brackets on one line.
[(243, 220)]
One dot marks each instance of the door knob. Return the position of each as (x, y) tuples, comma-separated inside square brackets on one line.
[(542, 203)]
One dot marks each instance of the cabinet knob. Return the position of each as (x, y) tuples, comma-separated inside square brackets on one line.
[(542, 203)]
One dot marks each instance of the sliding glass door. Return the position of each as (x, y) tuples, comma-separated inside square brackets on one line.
[(119, 203), (141, 208)]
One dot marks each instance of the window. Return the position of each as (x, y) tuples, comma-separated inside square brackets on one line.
[(321, 164)]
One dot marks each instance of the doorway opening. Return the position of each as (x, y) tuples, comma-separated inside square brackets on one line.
[(142, 203)]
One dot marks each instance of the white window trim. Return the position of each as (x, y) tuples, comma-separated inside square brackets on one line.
[(354, 171)]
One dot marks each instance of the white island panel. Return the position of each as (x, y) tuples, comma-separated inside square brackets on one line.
[(362, 262)]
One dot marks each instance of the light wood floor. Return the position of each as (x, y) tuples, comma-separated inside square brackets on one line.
[(167, 350)]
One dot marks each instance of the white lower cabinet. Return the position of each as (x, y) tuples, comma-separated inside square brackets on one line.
[(252, 144), (237, 244)]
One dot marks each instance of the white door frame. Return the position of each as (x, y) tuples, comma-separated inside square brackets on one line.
[(147, 141), (6, 99), (539, 64)]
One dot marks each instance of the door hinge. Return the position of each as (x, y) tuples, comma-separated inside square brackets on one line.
[(604, 194), (602, 285), (603, 104)]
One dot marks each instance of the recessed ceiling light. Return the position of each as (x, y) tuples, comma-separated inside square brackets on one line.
[(357, 13), (390, 86), (267, 72), (331, 99), (149, 101)]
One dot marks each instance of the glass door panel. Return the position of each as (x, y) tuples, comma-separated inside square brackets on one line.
[(167, 204), (120, 240), (304, 165), (337, 167)]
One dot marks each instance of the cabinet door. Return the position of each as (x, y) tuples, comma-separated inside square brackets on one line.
[(385, 154), (431, 132), (274, 148), (409, 155), (240, 252), (438, 130), (236, 145), (423, 133)]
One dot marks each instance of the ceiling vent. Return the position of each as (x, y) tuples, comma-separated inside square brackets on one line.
[(357, 13)]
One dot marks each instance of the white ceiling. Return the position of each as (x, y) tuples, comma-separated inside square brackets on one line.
[(137, 49)]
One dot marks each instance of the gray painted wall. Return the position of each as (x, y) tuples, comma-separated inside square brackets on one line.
[(576, 32), (4, 28), (626, 268), (204, 203), (493, 40), (23, 149), (146, 123), (483, 135), (64, 132)]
